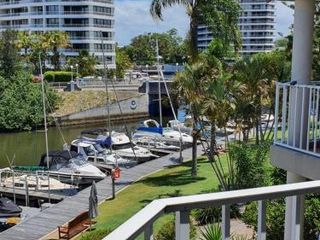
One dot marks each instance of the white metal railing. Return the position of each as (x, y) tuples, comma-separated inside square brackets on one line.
[(142, 222), (297, 117)]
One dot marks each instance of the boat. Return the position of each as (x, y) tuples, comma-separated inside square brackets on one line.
[(151, 144), (70, 167), (10, 213), (152, 129), (120, 144), (95, 154)]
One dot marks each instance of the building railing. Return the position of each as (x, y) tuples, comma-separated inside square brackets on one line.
[(297, 117), (142, 222), (13, 2)]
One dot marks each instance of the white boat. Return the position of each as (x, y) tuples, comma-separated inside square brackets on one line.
[(152, 144), (121, 145), (95, 154), (151, 128), (70, 167)]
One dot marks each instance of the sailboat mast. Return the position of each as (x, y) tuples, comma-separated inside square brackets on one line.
[(107, 92), (159, 81), (45, 124)]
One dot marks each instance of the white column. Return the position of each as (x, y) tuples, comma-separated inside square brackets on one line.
[(301, 73)]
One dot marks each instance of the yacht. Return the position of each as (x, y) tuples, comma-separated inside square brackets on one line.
[(151, 144), (95, 154), (152, 129), (71, 168), (121, 145)]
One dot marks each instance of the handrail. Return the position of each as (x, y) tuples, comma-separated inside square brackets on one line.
[(144, 218)]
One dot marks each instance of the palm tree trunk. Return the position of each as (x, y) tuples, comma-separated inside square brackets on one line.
[(194, 149), (212, 141), (193, 37)]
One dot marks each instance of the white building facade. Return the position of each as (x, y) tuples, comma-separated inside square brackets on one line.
[(256, 24), (89, 23)]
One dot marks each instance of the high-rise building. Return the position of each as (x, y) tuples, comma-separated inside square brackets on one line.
[(256, 24), (90, 24)]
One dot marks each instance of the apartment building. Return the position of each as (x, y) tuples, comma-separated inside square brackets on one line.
[(90, 24), (256, 24)]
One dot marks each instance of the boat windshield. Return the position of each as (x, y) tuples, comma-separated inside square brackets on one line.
[(122, 146), (99, 148), (90, 151), (78, 161)]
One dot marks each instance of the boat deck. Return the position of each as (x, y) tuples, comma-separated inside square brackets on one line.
[(40, 225)]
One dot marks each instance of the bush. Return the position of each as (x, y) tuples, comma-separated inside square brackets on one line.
[(207, 215), (97, 234), (58, 76), (167, 231)]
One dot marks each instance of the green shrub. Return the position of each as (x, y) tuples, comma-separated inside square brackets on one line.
[(97, 234), (167, 231), (207, 215), (211, 232), (58, 76)]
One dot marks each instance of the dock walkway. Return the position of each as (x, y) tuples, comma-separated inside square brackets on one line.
[(47, 221)]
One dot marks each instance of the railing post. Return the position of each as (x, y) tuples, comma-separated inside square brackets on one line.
[(182, 225), (297, 220), (225, 224), (148, 232), (261, 220)]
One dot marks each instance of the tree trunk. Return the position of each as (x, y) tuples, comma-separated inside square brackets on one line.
[(194, 151), (193, 37), (212, 141)]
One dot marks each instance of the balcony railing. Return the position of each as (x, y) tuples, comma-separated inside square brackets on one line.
[(297, 117), (142, 222)]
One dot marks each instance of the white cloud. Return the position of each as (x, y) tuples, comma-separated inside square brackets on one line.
[(133, 18)]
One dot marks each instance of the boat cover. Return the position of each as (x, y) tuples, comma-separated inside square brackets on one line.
[(9, 208), (57, 156)]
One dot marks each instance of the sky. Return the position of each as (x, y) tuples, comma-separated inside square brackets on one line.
[(133, 18)]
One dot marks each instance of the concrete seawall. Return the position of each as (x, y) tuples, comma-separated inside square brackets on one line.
[(132, 109)]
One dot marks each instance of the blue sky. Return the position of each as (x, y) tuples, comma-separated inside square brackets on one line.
[(133, 18)]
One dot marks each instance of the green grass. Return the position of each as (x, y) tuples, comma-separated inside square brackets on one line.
[(172, 181)]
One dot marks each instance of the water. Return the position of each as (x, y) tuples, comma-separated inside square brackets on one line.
[(26, 148)]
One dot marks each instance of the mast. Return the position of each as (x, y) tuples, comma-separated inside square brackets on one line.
[(159, 80), (107, 92), (45, 125)]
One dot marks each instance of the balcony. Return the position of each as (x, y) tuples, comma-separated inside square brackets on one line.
[(297, 131), (142, 222)]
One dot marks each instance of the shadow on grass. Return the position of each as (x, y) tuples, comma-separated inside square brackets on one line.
[(179, 178)]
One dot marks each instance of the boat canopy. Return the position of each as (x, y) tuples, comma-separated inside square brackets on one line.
[(8, 208), (151, 125), (57, 157), (104, 141)]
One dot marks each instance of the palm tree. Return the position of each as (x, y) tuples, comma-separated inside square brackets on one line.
[(188, 85), (24, 41), (220, 16), (56, 40)]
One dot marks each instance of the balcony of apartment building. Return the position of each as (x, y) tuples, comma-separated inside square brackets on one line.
[(296, 149)]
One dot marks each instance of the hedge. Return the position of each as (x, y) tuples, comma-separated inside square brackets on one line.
[(55, 76)]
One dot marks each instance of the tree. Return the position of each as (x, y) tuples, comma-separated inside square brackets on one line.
[(86, 63), (221, 16), (24, 41), (9, 55), (56, 40), (122, 62), (142, 49)]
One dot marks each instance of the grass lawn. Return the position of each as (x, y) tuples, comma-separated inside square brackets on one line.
[(169, 182)]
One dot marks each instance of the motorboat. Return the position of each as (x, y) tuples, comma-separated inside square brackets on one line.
[(70, 167), (152, 144), (120, 144), (97, 155), (152, 129)]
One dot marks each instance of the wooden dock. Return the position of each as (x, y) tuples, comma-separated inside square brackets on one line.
[(40, 225)]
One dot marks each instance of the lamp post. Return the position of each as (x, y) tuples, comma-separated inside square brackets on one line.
[(77, 68), (71, 73)]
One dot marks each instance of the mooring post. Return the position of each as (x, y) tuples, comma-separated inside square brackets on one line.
[(27, 191), (37, 181), (113, 188), (13, 188)]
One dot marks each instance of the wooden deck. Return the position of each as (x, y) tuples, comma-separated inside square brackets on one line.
[(47, 221)]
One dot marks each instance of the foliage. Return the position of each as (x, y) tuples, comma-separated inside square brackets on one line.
[(21, 103), (123, 62), (220, 16), (57, 76), (9, 55), (207, 215), (95, 235), (167, 231), (211, 232), (142, 49), (86, 63), (251, 165)]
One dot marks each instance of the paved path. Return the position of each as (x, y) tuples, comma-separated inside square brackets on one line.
[(48, 220)]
